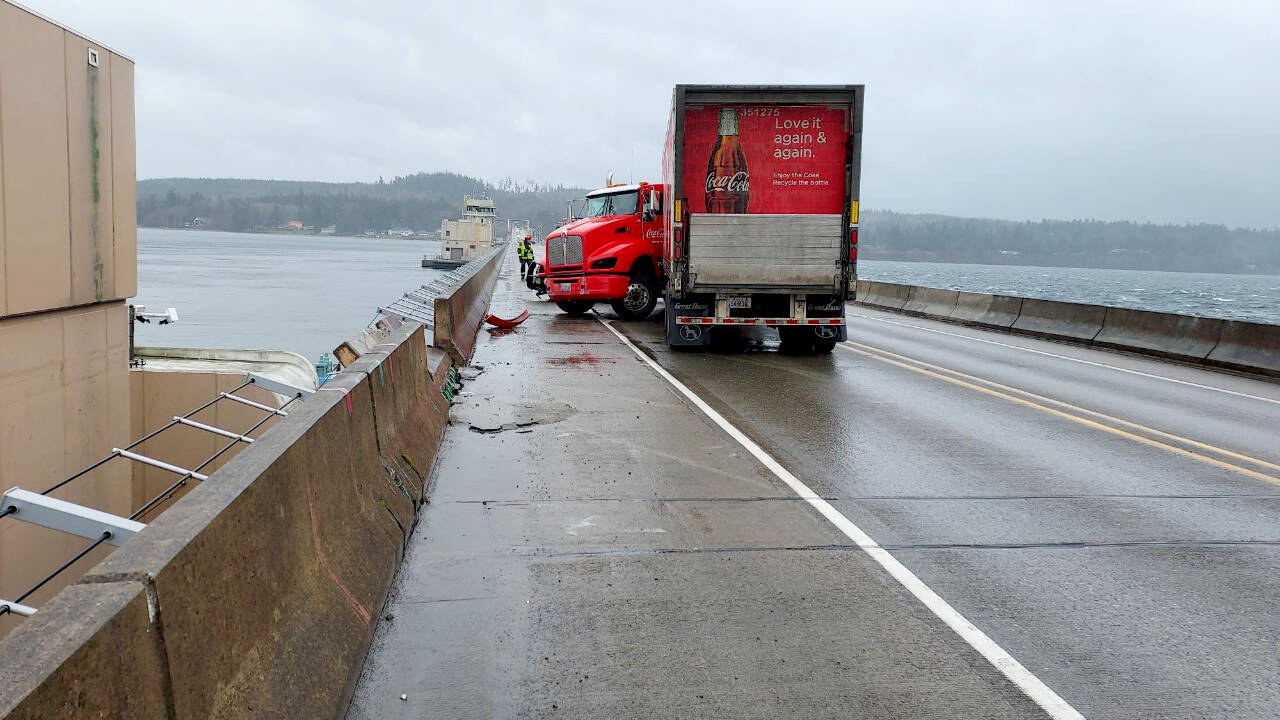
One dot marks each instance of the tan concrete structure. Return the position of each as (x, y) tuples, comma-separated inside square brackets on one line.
[(175, 381), (67, 168), (68, 261), (255, 596), (472, 236)]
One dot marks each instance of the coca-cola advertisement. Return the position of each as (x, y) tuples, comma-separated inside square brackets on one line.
[(765, 159)]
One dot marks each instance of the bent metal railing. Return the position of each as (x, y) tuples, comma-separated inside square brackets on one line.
[(419, 305)]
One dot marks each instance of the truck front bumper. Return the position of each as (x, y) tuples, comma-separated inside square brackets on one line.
[(600, 287)]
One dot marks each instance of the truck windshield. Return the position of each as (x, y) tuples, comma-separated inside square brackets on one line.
[(624, 203)]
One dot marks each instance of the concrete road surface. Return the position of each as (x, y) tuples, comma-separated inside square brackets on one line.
[(598, 546)]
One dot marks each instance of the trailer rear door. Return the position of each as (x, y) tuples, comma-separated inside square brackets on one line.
[(765, 250), (765, 174)]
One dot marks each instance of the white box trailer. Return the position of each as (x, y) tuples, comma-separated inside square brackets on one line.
[(762, 222)]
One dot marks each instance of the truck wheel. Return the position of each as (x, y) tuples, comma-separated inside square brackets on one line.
[(575, 308), (822, 347), (640, 300)]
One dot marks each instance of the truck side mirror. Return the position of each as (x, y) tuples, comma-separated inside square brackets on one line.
[(652, 206)]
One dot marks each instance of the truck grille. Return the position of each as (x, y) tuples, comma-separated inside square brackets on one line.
[(564, 250)]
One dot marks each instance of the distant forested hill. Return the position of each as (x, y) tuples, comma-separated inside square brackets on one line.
[(417, 202), (1069, 243), (420, 201)]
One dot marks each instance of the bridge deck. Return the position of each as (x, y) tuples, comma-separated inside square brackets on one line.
[(597, 547)]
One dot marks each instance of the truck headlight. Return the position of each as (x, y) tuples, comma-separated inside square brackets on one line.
[(604, 263)]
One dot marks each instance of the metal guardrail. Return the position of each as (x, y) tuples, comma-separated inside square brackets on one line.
[(419, 305)]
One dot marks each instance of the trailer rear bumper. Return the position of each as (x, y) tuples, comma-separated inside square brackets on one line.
[(695, 320)]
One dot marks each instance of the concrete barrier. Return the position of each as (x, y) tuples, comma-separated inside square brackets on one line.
[(1060, 320), (861, 289), (409, 408), (269, 574), (1251, 347), (1247, 346), (460, 310), (256, 594), (887, 295), (997, 311), (1182, 337), (932, 302), (92, 651)]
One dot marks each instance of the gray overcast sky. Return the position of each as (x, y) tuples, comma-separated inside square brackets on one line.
[(1164, 111)]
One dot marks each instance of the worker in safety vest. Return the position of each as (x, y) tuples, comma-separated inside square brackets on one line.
[(524, 251)]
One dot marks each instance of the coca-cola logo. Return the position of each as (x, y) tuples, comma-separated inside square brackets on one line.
[(737, 182), (652, 234)]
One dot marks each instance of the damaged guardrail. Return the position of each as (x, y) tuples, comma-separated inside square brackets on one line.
[(451, 306)]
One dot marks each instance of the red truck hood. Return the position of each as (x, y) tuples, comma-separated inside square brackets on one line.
[(591, 225)]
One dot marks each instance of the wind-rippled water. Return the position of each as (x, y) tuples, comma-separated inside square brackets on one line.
[(304, 293), (309, 293), (1255, 298)]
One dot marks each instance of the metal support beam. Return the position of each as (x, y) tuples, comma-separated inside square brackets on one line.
[(18, 608), (251, 403), (278, 387), (159, 464), (69, 517), (209, 428)]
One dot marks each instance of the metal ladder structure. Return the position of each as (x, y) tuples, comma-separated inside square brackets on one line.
[(105, 528)]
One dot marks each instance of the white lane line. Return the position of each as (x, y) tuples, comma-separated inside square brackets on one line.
[(1072, 359), (1028, 683)]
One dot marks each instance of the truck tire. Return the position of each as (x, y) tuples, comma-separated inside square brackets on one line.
[(640, 300), (575, 308)]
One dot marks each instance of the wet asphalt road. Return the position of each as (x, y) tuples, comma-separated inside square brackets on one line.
[(595, 547)]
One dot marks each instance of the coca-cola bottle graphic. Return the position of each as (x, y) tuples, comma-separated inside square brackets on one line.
[(728, 182)]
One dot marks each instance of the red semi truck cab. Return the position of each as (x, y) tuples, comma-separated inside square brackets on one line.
[(613, 254)]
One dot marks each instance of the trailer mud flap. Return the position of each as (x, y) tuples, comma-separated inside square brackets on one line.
[(687, 334), (840, 335)]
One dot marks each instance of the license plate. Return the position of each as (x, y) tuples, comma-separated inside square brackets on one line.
[(566, 287), (739, 301)]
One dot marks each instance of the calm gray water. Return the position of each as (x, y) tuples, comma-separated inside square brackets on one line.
[(309, 293), (284, 292), (1234, 297)]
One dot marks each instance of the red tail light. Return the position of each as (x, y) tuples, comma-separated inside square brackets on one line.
[(853, 244)]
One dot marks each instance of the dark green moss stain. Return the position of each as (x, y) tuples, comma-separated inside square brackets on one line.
[(95, 190)]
